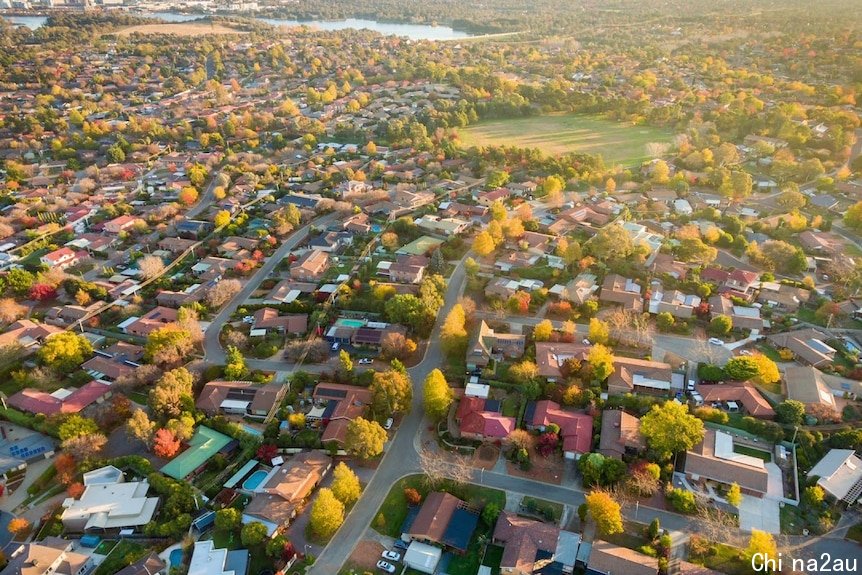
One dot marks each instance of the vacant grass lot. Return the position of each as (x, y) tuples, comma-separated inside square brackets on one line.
[(555, 134)]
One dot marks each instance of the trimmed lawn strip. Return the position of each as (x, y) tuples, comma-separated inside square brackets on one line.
[(122, 555)]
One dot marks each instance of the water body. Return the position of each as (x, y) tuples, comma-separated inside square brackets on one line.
[(412, 31)]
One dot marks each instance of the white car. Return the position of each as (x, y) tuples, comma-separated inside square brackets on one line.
[(366, 361), (391, 555), (586, 342), (388, 567), (744, 352), (388, 425), (716, 341)]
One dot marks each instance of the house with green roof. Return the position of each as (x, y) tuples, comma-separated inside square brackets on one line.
[(204, 444)]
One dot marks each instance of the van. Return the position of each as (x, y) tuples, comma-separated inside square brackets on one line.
[(697, 399)]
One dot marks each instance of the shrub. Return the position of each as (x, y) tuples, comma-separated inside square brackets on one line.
[(682, 500)]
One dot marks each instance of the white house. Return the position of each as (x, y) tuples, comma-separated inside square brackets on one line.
[(108, 502), (840, 473)]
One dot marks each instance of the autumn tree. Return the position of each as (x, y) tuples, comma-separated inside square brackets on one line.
[(601, 362), (171, 390), (396, 345), (151, 266), (139, 427), (599, 331), (853, 216), (543, 330), (66, 468), (437, 395), (183, 427), (611, 243), (65, 351), (165, 443), (234, 368), (391, 392), (483, 244), (85, 447), (364, 438), (11, 310), (734, 495), (223, 292), (327, 514), (221, 219), (605, 512), (168, 345), (767, 370), (19, 527), (761, 544), (670, 428), (345, 485), (453, 334)]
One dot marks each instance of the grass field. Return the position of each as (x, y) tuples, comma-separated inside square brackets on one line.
[(555, 134), (180, 29)]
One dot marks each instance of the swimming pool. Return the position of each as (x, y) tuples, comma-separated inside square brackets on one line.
[(254, 480), (350, 322), (176, 557), (252, 430)]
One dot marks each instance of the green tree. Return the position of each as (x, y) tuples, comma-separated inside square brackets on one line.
[(327, 514), (235, 368), (720, 325), (670, 428), (168, 345), (790, 411), (741, 368), (611, 243), (601, 362), (20, 281), (345, 485), (734, 495), (227, 519), (437, 395), (665, 321), (364, 438), (253, 534), (65, 351), (115, 154), (76, 425), (605, 513), (171, 390), (853, 216), (600, 332)]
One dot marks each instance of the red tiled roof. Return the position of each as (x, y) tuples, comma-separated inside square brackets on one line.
[(34, 401), (576, 429)]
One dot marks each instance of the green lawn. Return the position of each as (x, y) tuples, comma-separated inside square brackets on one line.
[(257, 560), (125, 553), (726, 559), (510, 406), (556, 134), (758, 453), (550, 510)]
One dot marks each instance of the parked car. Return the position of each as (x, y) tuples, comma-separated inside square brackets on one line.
[(366, 361), (716, 341), (336, 346), (391, 555), (401, 544), (388, 424), (388, 567), (690, 387)]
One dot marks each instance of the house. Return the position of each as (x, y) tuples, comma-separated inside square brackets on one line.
[(620, 434), (336, 405), (609, 559), (107, 369), (51, 556), (808, 345), (741, 281), (579, 290), (839, 473), (744, 394), (283, 493), (487, 198), (235, 247), (175, 245), (442, 226), (423, 558), (331, 242), (639, 376), (714, 459), (194, 229), (408, 269), (821, 242), (576, 429), (61, 258), (109, 503), (617, 289), (480, 418), (666, 264), (151, 321), (357, 223), (150, 564), (530, 546), (674, 302), (60, 401), (805, 384), (207, 560), (27, 333), (445, 520), (782, 297), (310, 266), (551, 357), (268, 318), (239, 398), (742, 317), (204, 444), (489, 344), (120, 224)]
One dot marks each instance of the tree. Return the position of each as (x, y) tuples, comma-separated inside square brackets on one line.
[(483, 244), (790, 411), (437, 395), (167, 396), (391, 392), (813, 496), (165, 443), (665, 321), (115, 154), (151, 266), (19, 527), (734, 495), (611, 243), (65, 351), (76, 425), (20, 280), (183, 427), (543, 330), (139, 427), (364, 438), (660, 172), (42, 292), (453, 334), (235, 368), (599, 331), (223, 292), (345, 363), (741, 368), (75, 490), (345, 485), (412, 496), (498, 211), (168, 345), (670, 428), (853, 216), (761, 544), (601, 362), (605, 512), (395, 345), (85, 447), (327, 514), (221, 219), (188, 196), (767, 370), (11, 310), (720, 325), (227, 519), (253, 534), (66, 468)]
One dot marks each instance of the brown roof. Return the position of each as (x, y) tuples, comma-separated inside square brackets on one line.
[(267, 318), (619, 430), (807, 344), (701, 461), (686, 568), (745, 393), (261, 397), (805, 384), (550, 355), (626, 369), (522, 537), (434, 516), (37, 557), (298, 476), (615, 560)]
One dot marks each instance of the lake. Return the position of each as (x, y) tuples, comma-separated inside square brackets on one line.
[(412, 31)]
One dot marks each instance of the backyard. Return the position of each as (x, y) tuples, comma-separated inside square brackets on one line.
[(557, 134)]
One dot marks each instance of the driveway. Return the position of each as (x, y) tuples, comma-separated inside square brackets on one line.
[(757, 513)]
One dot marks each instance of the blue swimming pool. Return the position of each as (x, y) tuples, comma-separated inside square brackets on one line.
[(252, 430), (254, 480), (176, 557)]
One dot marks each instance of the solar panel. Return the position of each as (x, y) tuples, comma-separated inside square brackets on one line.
[(334, 393)]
